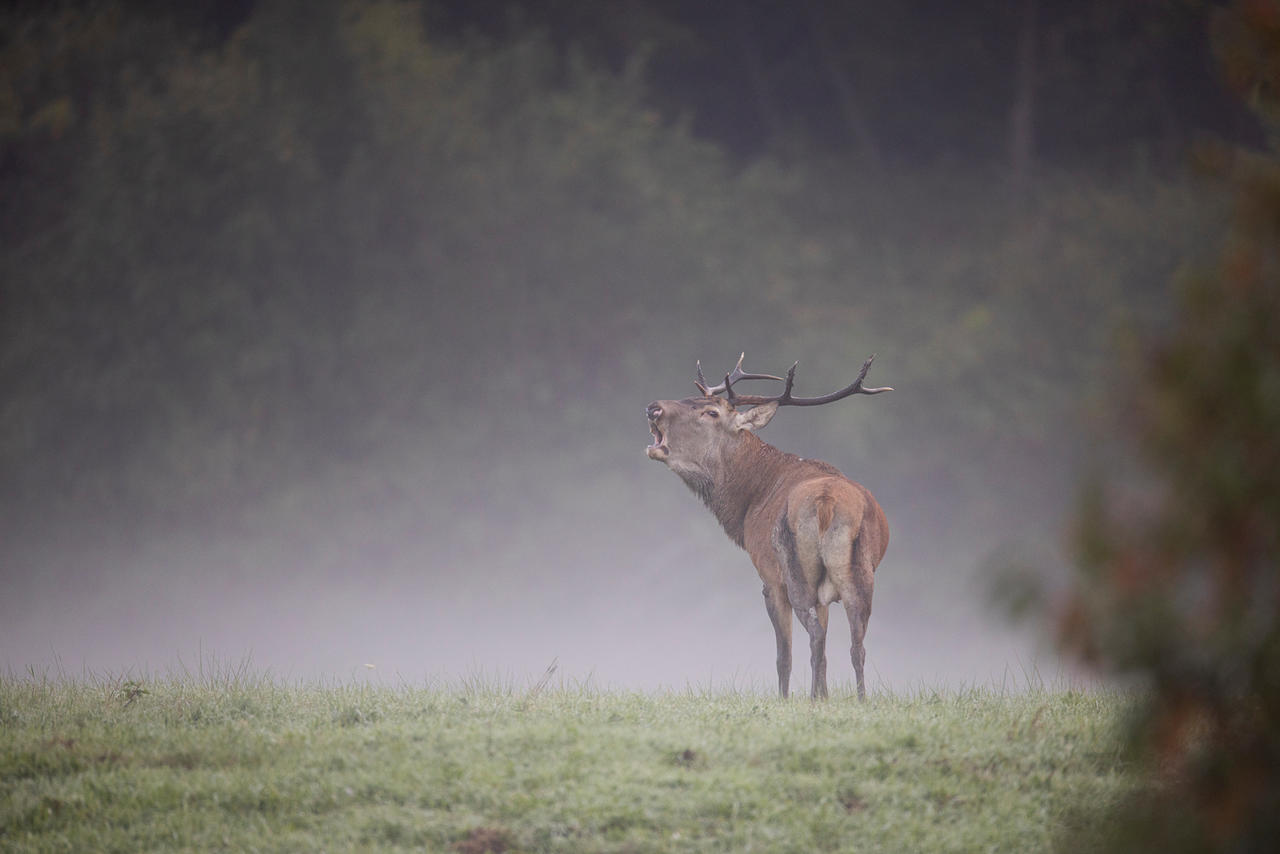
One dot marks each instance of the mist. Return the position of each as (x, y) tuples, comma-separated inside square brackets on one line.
[(328, 332), (655, 597)]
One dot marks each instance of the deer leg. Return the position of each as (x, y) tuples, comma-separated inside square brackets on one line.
[(858, 616), (815, 623), (775, 600), (855, 592)]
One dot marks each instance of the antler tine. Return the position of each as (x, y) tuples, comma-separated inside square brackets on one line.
[(730, 378), (785, 399), (791, 381), (862, 375), (701, 381)]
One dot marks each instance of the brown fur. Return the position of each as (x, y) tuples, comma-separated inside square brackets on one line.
[(815, 536), (826, 511)]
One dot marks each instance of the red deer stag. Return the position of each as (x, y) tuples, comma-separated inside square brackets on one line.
[(814, 536)]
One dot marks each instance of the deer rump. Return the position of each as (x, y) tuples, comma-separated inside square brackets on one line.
[(828, 540)]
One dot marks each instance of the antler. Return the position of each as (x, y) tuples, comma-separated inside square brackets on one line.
[(785, 399), (729, 379)]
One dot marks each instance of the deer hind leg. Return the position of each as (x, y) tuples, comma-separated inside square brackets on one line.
[(858, 615), (798, 551), (815, 622), (775, 600), (855, 592)]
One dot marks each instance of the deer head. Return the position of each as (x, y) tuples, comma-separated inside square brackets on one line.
[(693, 433)]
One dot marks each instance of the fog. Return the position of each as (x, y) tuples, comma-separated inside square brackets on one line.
[(658, 598), (631, 586), (327, 335)]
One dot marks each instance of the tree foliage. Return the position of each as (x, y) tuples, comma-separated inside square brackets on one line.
[(1181, 586)]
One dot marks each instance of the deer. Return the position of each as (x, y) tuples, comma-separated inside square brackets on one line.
[(814, 536)]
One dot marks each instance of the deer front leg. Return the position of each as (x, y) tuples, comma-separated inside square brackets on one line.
[(815, 623), (775, 600)]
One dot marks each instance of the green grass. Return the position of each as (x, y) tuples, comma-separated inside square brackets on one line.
[(239, 762)]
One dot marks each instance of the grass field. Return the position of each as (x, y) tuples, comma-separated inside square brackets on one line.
[(239, 762)]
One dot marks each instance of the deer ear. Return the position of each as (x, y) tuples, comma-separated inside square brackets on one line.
[(755, 417)]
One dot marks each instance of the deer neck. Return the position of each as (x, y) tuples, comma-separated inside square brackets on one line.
[(743, 476)]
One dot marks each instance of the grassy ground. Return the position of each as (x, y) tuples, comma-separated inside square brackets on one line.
[(238, 762)]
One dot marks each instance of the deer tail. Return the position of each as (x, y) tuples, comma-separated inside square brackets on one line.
[(826, 512)]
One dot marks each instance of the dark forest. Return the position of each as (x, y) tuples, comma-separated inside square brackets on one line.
[(326, 329)]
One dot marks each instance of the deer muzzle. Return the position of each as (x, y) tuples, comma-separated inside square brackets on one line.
[(657, 449)]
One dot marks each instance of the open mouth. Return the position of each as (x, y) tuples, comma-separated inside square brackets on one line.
[(657, 449)]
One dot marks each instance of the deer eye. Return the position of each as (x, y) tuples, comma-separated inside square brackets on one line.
[(713, 413)]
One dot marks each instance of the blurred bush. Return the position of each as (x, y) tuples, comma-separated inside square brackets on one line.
[(1179, 576)]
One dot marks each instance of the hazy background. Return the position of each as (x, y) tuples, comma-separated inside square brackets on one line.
[(326, 329)]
